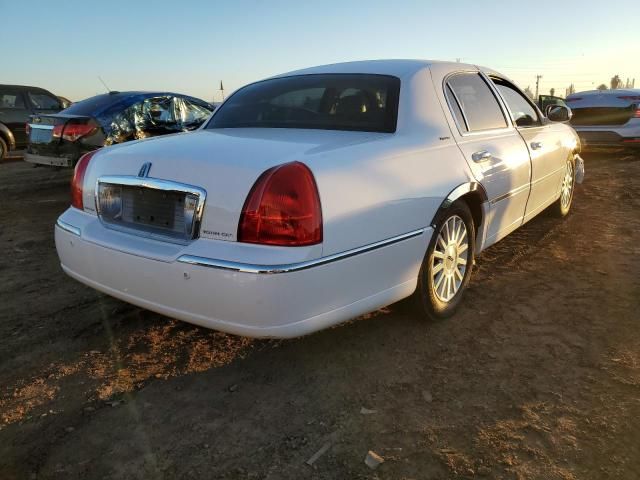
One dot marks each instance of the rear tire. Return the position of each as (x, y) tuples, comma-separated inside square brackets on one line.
[(447, 265), (563, 204)]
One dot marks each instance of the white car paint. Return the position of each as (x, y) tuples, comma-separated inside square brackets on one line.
[(373, 187), (625, 135)]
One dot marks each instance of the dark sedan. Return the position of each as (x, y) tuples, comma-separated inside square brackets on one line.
[(17, 104), (60, 139)]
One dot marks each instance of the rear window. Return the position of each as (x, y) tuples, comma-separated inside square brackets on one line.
[(93, 105), (359, 102)]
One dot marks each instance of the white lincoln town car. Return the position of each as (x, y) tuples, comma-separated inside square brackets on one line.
[(315, 196)]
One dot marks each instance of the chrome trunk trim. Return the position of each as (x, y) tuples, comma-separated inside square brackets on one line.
[(294, 267), (156, 184)]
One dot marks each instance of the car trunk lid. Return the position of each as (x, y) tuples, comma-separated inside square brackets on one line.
[(606, 108), (47, 132), (225, 163)]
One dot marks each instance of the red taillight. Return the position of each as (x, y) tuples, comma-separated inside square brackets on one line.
[(74, 131), (78, 180), (636, 114), (283, 208)]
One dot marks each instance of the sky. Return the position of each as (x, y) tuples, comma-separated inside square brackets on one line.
[(191, 46)]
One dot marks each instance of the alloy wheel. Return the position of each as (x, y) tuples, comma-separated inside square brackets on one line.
[(449, 258), (566, 190)]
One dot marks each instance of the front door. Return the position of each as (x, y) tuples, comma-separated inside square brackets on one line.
[(548, 153), (494, 149)]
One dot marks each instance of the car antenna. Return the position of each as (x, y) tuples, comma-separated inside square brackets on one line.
[(105, 85)]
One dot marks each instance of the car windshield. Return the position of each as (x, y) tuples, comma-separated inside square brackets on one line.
[(321, 101)]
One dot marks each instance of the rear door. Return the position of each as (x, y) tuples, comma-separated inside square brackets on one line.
[(546, 149), (493, 148), (14, 113)]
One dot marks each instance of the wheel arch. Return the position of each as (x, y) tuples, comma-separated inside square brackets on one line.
[(7, 136), (473, 194)]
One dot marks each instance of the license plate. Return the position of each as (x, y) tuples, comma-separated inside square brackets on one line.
[(167, 213), (153, 208), (40, 135)]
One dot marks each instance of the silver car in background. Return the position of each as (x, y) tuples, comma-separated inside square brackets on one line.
[(606, 118)]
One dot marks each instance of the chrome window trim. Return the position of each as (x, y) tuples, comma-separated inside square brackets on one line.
[(40, 126), (294, 267), (156, 184), (68, 227), (457, 100), (470, 133)]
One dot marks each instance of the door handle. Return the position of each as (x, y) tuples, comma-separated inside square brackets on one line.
[(536, 145), (481, 156)]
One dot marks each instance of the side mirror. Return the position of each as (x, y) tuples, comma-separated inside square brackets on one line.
[(559, 113)]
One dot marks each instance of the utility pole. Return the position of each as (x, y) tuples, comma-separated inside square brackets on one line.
[(538, 77)]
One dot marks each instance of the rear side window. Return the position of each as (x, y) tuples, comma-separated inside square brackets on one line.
[(44, 101), (11, 100), (477, 102)]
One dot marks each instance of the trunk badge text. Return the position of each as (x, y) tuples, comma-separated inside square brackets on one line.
[(144, 170)]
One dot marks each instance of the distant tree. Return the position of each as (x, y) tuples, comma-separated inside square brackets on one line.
[(552, 92), (529, 93), (570, 89), (602, 86), (616, 82)]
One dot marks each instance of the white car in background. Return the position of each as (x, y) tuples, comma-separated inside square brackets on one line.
[(607, 118), (319, 195)]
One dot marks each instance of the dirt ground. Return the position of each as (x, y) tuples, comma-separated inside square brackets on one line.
[(537, 376)]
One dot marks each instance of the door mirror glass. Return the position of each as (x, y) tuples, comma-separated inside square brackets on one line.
[(559, 113)]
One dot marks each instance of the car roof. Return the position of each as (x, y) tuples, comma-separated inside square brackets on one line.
[(616, 92), (105, 102), (23, 87), (394, 67), (116, 95)]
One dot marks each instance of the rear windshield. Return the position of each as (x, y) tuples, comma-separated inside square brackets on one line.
[(360, 102), (92, 106)]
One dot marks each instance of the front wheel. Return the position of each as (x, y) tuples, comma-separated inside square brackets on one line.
[(563, 204), (447, 265)]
